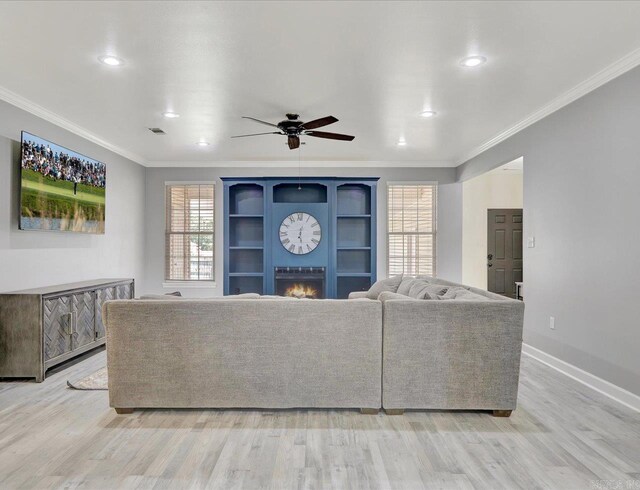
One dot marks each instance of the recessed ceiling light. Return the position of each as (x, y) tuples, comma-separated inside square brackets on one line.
[(170, 115), (473, 61), (428, 113), (202, 143), (111, 60), (402, 142)]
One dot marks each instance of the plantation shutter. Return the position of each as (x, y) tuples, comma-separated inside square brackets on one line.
[(411, 244), (189, 242)]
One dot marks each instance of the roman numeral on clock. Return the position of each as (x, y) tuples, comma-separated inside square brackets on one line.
[(286, 241), (315, 241), (316, 232)]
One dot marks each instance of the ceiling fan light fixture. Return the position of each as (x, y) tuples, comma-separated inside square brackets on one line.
[(473, 61), (202, 143), (428, 114), (170, 115), (402, 142)]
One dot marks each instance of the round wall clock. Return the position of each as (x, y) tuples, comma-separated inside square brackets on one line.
[(300, 233)]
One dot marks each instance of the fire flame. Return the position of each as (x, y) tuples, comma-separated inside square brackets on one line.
[(301, 291)]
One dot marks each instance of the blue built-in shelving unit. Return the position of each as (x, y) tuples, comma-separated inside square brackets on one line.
[(254, 209)]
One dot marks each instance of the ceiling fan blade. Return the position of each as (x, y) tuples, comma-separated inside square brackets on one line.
[(294, 142), (318, 123), (259, 121), (255, 134), (330, 136)]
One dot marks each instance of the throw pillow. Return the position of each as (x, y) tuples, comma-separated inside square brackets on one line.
[(424, 290), (451, 292), (161, 296), (389, 284), (405, 285)]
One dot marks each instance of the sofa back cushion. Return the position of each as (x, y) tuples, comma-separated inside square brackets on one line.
[(389, 284)]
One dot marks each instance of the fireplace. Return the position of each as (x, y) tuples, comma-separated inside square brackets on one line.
[(300, 282)]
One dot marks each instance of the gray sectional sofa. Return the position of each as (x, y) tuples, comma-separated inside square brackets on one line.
[(437, 345), (457, 353), (244, 353)]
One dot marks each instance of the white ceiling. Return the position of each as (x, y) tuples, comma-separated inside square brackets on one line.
[(375, 66)]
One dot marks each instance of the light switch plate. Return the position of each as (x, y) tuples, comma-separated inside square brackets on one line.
[(552, 322), (531, 242)]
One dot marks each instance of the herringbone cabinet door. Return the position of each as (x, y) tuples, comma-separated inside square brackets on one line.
[(84, 310), (102, 295), (57, 340), (123, 291)]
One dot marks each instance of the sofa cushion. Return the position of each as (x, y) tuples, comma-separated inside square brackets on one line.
[(389, 284), (462, 294), (161, 296), (271, 296), (388, 295)]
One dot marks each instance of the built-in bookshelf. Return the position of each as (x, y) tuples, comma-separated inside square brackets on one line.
[(244, 238), (355, 262), (254, 209)]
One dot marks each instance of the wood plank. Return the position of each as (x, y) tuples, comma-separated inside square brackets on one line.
[(54, 437)]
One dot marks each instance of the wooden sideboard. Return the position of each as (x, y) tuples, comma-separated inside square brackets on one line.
[(42, 327)]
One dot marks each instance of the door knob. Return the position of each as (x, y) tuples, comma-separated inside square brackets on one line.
[(489, 264), (490, 256)]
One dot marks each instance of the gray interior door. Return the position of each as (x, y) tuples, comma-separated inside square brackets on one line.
[(504, 250)]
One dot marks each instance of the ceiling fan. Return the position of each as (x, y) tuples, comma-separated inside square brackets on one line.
[(293, 128)]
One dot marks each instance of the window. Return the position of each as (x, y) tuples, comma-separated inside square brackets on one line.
[(411, 246), (189, 243)]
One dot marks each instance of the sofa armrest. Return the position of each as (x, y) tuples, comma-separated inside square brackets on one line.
[(358, 295)]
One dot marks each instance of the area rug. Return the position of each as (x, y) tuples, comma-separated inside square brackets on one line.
[(95, 381)]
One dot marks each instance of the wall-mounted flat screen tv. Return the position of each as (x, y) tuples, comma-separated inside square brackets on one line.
[(61, 190)]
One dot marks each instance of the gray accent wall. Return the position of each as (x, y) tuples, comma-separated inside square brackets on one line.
[(39, 258), (449, 238), (581, 203)]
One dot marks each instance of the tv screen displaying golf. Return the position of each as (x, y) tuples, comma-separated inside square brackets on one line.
[(61, 190)]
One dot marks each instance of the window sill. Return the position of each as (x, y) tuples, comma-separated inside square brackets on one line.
[(189, 284)]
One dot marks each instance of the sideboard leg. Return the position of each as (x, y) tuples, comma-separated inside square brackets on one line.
[(501, 413), (394, 411), (369, 411), (123, 411)]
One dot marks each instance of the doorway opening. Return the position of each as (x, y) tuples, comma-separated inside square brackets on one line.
[(493, 222)]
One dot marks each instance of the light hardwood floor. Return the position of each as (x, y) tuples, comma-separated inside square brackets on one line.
[(562, 436)]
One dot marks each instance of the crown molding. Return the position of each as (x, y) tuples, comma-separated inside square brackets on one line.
[(303, 164), (49, 116), (612, 71)]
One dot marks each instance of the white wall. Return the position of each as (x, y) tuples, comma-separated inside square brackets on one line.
[(581, 202), (449, 242), (499, 189), (36, 258)]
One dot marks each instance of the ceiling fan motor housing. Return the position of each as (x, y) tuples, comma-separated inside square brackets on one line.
[(291, 125)]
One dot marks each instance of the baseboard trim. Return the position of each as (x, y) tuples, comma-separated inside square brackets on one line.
[(620, 395)]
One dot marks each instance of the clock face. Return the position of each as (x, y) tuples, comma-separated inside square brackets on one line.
[(300, 233)]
